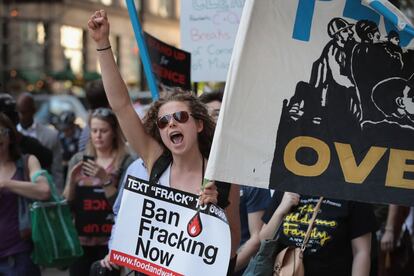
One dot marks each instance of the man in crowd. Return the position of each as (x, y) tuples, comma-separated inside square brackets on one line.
[(48, 137), (28, 145)]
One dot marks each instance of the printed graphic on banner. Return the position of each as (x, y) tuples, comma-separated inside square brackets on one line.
[(345, 98), (170, 65), (208, 31), (163, 231)]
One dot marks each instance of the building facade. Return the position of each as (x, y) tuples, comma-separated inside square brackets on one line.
[(49, 37)]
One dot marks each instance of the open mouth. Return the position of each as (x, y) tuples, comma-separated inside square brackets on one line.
[(176, 137)]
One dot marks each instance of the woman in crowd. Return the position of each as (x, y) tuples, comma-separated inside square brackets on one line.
[(177, 126), (91, 186), (340, 241), (15, 190)]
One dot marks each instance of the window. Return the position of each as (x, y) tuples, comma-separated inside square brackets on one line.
[(104, 2), (30, 35), (162, 8), (71, 40)]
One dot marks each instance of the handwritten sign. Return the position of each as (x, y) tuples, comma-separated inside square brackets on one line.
[(208, 32), (163, 231)]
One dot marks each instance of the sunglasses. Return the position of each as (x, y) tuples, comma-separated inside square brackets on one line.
[(180, 117), (102, 112)]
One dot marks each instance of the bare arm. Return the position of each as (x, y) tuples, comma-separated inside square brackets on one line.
[(39, 190), (361, 250), (71, 181), (393, 226), (250, 247), (117, 93), (288, 201)]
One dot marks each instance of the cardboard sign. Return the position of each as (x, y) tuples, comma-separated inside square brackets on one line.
[(208, 31), (170, 65), (163, 231), (330, 101)]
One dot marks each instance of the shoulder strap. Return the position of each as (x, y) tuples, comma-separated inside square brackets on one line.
[(308, 232), (23, 164), (26, 167), (159, 167)]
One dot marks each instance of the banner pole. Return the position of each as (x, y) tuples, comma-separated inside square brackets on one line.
[(143, 51)]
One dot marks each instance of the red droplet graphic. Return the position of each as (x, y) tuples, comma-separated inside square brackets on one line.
[(194, 226)]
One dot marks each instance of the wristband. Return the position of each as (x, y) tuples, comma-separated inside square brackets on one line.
[(103, 49)]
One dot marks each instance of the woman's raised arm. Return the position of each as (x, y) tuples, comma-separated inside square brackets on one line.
[(146, 147)]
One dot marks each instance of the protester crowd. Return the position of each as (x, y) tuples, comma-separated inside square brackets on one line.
[(90, 164)]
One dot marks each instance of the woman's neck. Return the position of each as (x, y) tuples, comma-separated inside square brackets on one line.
[(104, 154), (191, 161)]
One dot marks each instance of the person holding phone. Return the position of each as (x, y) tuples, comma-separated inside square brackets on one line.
[(91, 186)]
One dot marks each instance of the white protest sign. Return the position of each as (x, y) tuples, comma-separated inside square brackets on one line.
[(208, 31), (163, 231)]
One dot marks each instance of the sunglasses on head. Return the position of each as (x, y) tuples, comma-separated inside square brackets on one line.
[(102, 112), (180, 117)]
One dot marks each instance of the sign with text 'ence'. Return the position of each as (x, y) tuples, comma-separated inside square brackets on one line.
[(163, 231), (170, 65)]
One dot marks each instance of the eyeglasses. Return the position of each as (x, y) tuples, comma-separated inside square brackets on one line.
[(102, 112), (180, 116), (4, 132)]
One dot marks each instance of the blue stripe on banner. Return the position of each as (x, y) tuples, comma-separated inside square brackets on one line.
[(355, 10), (143, 51), (303, 20), (391, 23)]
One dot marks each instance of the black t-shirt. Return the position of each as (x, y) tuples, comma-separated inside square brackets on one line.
[(329, 250)]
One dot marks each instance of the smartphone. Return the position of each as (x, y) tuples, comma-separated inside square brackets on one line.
[(88, 157), (85, 159)]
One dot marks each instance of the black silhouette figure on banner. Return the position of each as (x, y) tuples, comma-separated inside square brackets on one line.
[(338, 97), (330, 97), (394, 98), (373, 61), (392, 46)]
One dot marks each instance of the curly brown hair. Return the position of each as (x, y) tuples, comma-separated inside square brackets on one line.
[(198, 111)]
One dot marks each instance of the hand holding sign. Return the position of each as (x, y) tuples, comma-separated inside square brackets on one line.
[(208, 193)]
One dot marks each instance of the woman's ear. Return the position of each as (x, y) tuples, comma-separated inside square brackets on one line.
[(200, 125)]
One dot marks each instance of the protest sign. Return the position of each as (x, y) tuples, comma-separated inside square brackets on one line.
[(163, 231), (170, 65), (96, 218), (319, 101), (208, 30)]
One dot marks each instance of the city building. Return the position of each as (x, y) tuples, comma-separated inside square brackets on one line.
[(43, 39)]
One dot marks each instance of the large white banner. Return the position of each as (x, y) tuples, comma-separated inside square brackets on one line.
[(208, 31), (163, 231), (318, 100)]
